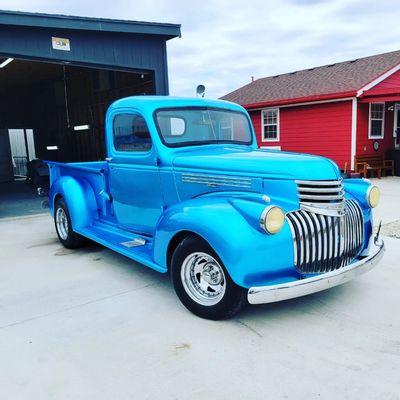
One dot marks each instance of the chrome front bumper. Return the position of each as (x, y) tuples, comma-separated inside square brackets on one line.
[(302, 287)]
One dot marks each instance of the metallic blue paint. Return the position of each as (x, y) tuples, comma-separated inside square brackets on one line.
[(148, 195), (358, 188), (137, 205), (243, 248), (258, 162), (79, 197)]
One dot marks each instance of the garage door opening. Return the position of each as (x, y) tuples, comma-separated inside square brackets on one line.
[(22, 145), (55, 111), (65, 105)]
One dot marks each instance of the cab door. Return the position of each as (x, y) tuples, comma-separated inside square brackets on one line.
[(134, 176)]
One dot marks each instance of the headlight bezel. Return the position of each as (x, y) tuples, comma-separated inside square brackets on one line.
[(371, 188), (264, 220)]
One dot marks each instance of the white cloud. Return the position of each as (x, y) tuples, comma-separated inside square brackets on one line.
[(226, 42)]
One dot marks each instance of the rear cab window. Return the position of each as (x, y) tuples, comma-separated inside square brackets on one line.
[(130, 133)]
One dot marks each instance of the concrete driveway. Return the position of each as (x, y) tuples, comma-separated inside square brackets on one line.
[(91, 324), (17, 198)]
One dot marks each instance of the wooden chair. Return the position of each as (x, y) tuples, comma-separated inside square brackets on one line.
[(376, 164)]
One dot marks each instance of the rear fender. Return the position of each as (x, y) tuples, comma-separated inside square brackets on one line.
[(80, 200)]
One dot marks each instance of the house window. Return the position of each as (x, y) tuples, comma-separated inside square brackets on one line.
[(226, 128), (270, 125), (376, 120)]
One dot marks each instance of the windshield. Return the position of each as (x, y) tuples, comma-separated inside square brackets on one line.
[(202, 125)]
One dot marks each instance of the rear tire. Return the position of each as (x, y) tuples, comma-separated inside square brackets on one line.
[(62, 222), (202, 282)]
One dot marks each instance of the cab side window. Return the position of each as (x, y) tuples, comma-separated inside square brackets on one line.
[(130, 133)]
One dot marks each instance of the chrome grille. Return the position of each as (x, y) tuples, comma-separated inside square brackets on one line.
[(323, 197), (324, 243)]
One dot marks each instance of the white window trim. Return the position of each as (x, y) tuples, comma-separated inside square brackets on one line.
[(396, 107), (271, 147), (263, 139), (383, 122)]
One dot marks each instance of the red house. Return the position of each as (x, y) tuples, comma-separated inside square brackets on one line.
[(340, 111)]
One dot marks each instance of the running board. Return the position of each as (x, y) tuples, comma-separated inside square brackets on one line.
[(134, 243), (126, 243)]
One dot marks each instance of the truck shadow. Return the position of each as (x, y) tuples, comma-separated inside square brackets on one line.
[(322, 303), (97, 252)]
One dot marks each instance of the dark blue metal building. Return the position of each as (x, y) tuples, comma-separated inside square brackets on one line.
[(93, 42), (61, 72)]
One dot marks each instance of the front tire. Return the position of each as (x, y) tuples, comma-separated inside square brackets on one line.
[(202, 283), (65, 233)]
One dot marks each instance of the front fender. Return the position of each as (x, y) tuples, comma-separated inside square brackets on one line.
[(358, 189), (250, 255), (79, 197)]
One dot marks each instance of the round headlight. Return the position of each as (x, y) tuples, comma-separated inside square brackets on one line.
[(373, 195), (272, 219)]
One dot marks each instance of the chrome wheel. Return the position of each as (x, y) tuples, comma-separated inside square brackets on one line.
[(62, 223), (203, 279)]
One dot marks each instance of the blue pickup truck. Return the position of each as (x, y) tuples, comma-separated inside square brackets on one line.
[(185, 190)]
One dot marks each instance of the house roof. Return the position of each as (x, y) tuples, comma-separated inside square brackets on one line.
[(19, 18), (329, 81)]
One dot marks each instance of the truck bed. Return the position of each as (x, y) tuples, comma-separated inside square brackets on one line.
[(102, 227), (94, 173)]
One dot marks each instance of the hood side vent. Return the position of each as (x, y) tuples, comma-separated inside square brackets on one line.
[(218, 180)]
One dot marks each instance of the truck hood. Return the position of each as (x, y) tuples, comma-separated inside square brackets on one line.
[(257, 162)]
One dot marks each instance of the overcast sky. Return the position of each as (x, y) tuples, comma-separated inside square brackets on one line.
[(225, 42)]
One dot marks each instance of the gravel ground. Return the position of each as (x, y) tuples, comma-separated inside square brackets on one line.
[(391, 229), (389, 209)]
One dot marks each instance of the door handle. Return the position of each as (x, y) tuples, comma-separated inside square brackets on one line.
[(106, 196), (109, 159)]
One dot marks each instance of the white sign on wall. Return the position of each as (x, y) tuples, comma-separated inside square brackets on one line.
[(60, 44)]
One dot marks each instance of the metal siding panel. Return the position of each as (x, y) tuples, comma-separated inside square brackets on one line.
[(310, 129), (106, 49), (88, 23), (256, 120), (391, 82), (364, 145)]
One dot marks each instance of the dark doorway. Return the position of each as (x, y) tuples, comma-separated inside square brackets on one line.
[(64, 106), (6, 166), (22, 145)]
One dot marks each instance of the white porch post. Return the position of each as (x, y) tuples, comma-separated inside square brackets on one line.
[(353, 131)]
